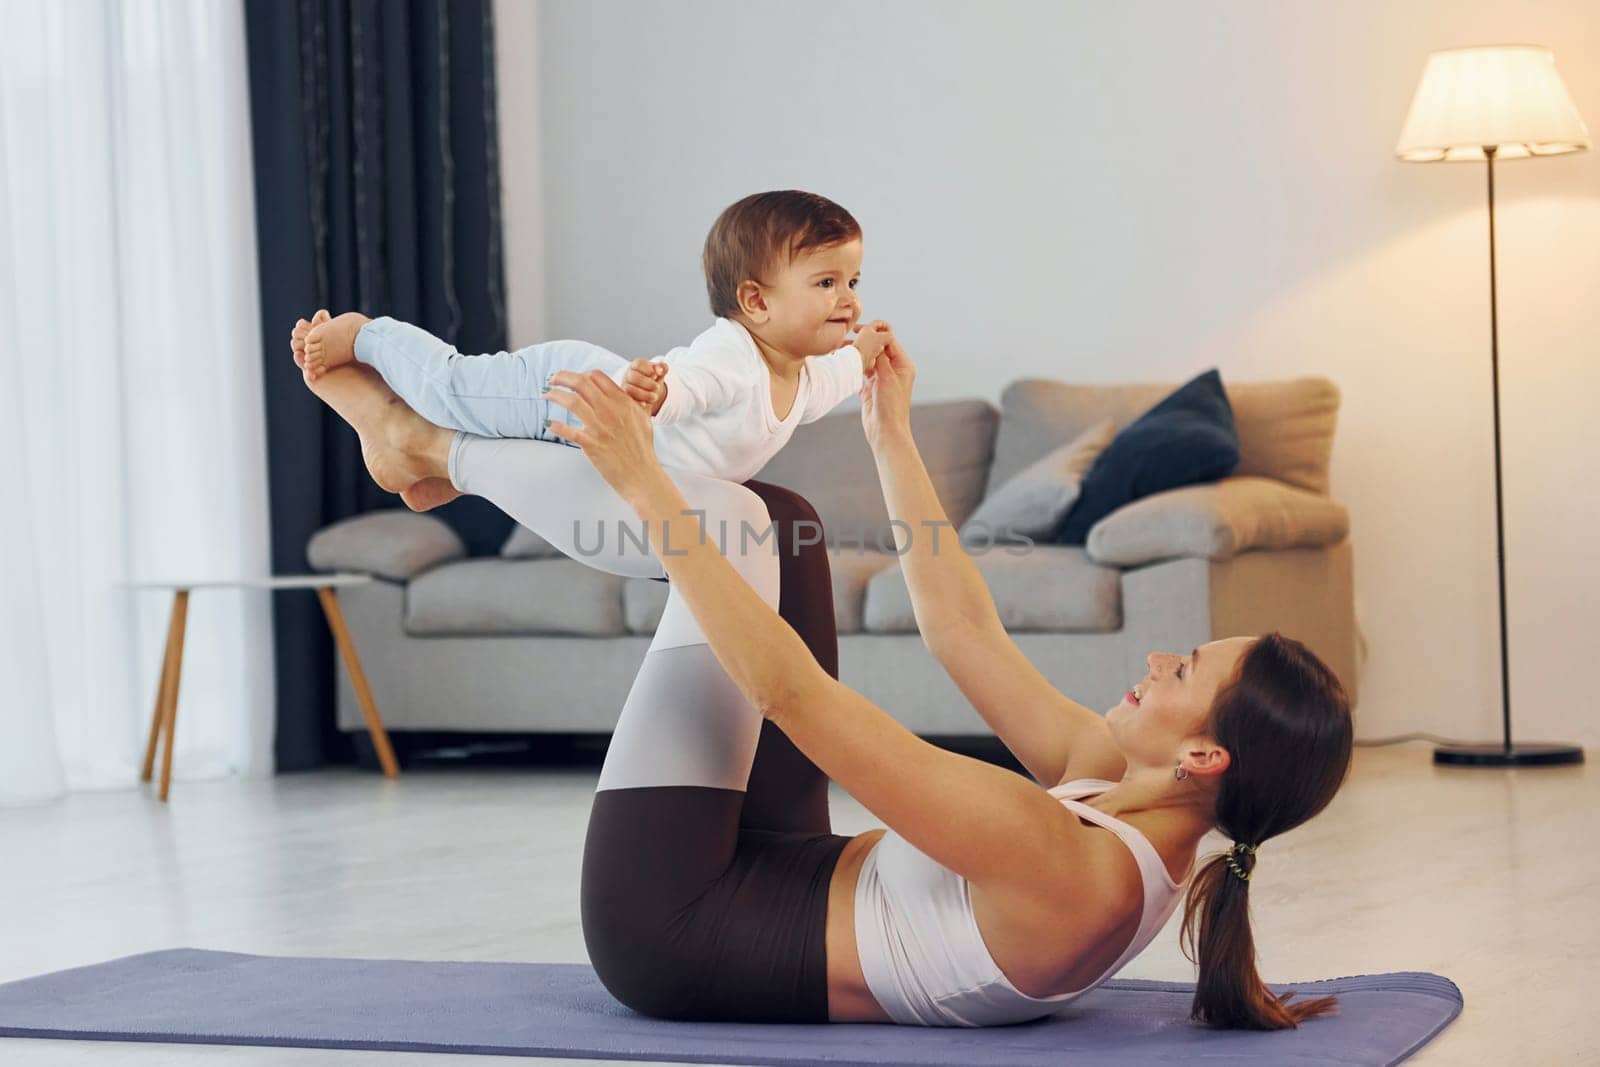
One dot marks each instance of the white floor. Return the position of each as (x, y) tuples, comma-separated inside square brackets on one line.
[(1488, 877)]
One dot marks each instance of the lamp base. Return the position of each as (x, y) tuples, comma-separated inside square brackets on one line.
[(1519, 754)]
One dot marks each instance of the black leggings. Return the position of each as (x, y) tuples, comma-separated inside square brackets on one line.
[(711, 904)]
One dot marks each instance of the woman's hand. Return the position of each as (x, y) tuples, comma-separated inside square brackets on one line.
[(615, 435), (886, 395)]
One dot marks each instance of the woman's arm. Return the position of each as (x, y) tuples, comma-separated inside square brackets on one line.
[(948, 595), (954, 609), (945, 804)]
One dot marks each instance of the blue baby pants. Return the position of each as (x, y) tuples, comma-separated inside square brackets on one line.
[(491, 395)]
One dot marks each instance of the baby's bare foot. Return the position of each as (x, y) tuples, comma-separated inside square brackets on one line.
[(297, 338), (297, 342), (332, 343), (429, 494), (400, 447)]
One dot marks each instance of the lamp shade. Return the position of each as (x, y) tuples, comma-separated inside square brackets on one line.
[(1507, 96)]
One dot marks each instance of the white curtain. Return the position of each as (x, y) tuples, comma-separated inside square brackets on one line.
[(131, 410)]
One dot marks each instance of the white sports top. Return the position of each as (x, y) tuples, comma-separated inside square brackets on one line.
[(924, 959), (717, 418)]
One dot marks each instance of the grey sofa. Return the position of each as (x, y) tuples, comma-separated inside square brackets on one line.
[(533, 641)]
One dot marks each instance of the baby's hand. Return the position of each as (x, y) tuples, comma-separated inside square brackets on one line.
[(644, 381), (871, 339)]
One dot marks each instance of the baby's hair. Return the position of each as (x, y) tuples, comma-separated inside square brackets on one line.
[(753, 234)]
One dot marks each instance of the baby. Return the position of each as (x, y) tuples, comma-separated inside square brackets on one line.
[(781, 271)]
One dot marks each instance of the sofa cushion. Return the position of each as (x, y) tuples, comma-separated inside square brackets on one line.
[(829, 463), (1188, 437), (514, 596), (393, 543), (1217, 521), (1031, 504), (1038, 587), (1285, 427), (643, 602)]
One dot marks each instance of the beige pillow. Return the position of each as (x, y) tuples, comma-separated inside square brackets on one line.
[(1286, 430), (1285, 427), (1217, 520)]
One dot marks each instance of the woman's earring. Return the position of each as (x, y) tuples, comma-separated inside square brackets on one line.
[(1179, 773)]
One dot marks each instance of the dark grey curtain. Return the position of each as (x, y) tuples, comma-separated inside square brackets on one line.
[(377, 190)]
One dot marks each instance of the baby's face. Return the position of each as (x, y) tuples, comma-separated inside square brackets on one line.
[(812, 300)]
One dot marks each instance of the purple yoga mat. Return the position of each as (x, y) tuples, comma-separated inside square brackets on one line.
[(542, 1009)]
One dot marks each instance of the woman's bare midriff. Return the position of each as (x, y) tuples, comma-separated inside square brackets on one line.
[(849, 999), (1085, 947)]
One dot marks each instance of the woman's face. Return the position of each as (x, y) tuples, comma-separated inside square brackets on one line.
[(1170, 704)]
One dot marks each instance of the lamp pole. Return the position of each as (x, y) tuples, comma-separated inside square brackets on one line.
[(1505, 754), (1489, 151)]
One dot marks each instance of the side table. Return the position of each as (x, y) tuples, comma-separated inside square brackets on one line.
[(164, 720)]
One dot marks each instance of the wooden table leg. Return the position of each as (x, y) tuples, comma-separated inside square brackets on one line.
[(180, 618), (358, 678), (158, 717)]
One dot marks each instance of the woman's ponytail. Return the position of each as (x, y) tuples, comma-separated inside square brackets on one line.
[(1285, 722)]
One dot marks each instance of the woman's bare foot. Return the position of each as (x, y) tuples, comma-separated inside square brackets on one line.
[(354, 396), (332, 343), (429, 494), (400, 447)]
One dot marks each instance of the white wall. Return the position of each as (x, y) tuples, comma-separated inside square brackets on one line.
[(516, 48), (1136, 191)]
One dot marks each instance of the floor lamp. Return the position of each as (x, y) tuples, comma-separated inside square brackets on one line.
[(1494, 102)]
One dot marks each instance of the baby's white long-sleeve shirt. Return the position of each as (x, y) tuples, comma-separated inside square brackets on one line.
[(718, 419)]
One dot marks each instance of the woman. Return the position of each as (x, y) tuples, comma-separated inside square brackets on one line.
[(989, 900)]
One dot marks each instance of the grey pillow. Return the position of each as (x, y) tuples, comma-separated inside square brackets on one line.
[(525, 544), (392, 543), (1031, 503)]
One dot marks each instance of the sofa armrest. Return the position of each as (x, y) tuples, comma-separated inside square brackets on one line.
[(1217, 521), (391, 544)]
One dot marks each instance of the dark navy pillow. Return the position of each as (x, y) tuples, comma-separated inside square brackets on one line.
[(1189, 437)]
